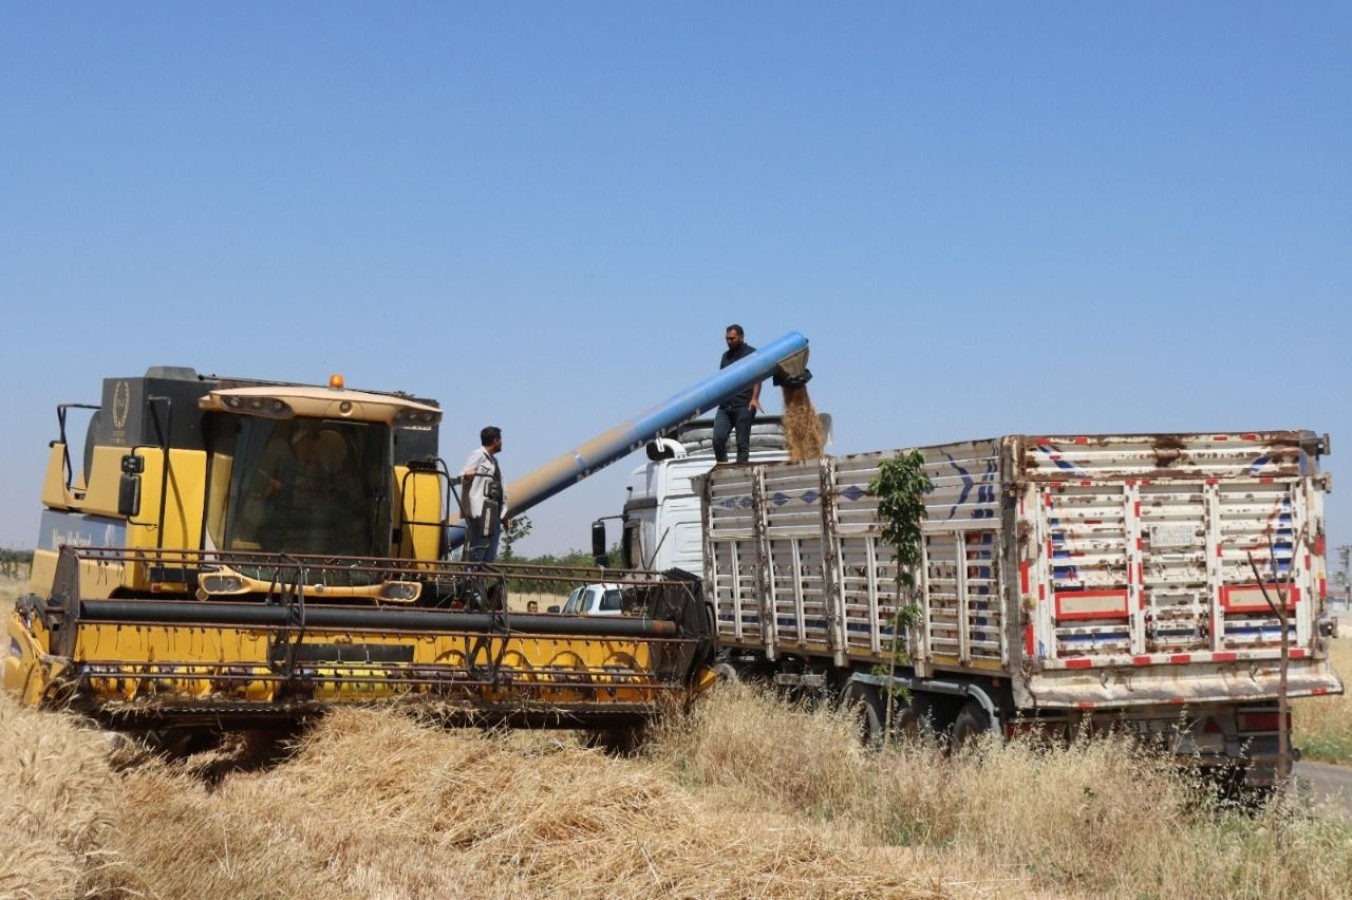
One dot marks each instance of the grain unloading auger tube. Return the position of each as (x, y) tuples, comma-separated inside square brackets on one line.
[(784, 360), (240, 640)]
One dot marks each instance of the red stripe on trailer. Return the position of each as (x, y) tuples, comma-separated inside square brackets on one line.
[(1180, 658), (1086, 483), (1249, 597), (1140, 572), (1049, 499), (1319, 690), (1298, 653), (1249, 437), (1140, 660), (1079, 662), (1023, 577), (1219, 553), (1319, 544), (1140, 544), (1090, 605), (1179, 700), (1081, 440), (1222, 437), (1028, 645), (1042, 592), (1225, 657), (1093, 521), (1323, 588), (1213, 621), (1137, 507), (1212, 481), (1266, 479), (1084, 704)]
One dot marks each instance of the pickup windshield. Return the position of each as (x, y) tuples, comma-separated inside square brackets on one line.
[(594, 599)]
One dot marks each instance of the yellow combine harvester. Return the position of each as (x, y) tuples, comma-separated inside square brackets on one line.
[(237, 554)]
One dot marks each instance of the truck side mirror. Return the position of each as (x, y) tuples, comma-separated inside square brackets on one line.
[(129, 489), (599, 542)]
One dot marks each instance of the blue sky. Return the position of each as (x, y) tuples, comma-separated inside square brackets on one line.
[(986, 218)]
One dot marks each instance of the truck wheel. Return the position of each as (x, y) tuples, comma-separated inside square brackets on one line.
[(727, 673), (908, 720), (972, 722), (866, 707)]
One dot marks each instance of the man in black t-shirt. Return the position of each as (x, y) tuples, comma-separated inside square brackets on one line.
[(739, 410)]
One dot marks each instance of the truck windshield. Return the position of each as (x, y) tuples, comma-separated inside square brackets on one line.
[(300, 486)]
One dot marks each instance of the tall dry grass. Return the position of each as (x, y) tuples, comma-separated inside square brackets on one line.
[(1323, 725), (375, 805), (746, 797), (56, 804), (1101, 818)]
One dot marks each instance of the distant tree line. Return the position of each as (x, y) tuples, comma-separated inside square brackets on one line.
[(574, 559), (15, 563)]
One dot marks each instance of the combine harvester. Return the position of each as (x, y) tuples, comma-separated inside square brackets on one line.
[(242, 555)]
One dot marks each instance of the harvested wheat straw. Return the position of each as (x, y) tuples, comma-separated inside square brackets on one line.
[(802, 425)]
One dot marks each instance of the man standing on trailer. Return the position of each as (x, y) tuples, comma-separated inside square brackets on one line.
[(739, 410), (483, 499)]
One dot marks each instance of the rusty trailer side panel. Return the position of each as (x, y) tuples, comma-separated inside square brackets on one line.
[(1092, 571)]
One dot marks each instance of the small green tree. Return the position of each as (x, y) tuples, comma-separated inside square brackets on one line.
[(901, 486), (520, 527)]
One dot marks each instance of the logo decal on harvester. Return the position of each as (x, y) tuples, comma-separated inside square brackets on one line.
[(121, 405)]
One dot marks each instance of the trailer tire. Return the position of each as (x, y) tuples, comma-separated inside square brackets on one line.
[(727, 673), (866, 707), (971, 723)]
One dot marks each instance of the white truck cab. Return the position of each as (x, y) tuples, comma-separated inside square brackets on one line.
[(661, 517)]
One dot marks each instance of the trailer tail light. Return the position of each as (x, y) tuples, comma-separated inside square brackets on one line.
[(1211, 726), (1264, 720)]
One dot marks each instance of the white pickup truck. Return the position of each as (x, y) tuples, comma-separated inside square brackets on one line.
[(601, 599)]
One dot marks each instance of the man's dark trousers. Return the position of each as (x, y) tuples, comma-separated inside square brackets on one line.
[(724, 423)]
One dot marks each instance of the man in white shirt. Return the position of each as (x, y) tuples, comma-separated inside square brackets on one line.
[(483, 499)]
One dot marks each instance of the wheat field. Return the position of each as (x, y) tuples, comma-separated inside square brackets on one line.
[(746, 797)]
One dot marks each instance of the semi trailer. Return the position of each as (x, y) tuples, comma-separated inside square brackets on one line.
[(1130, 582)]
